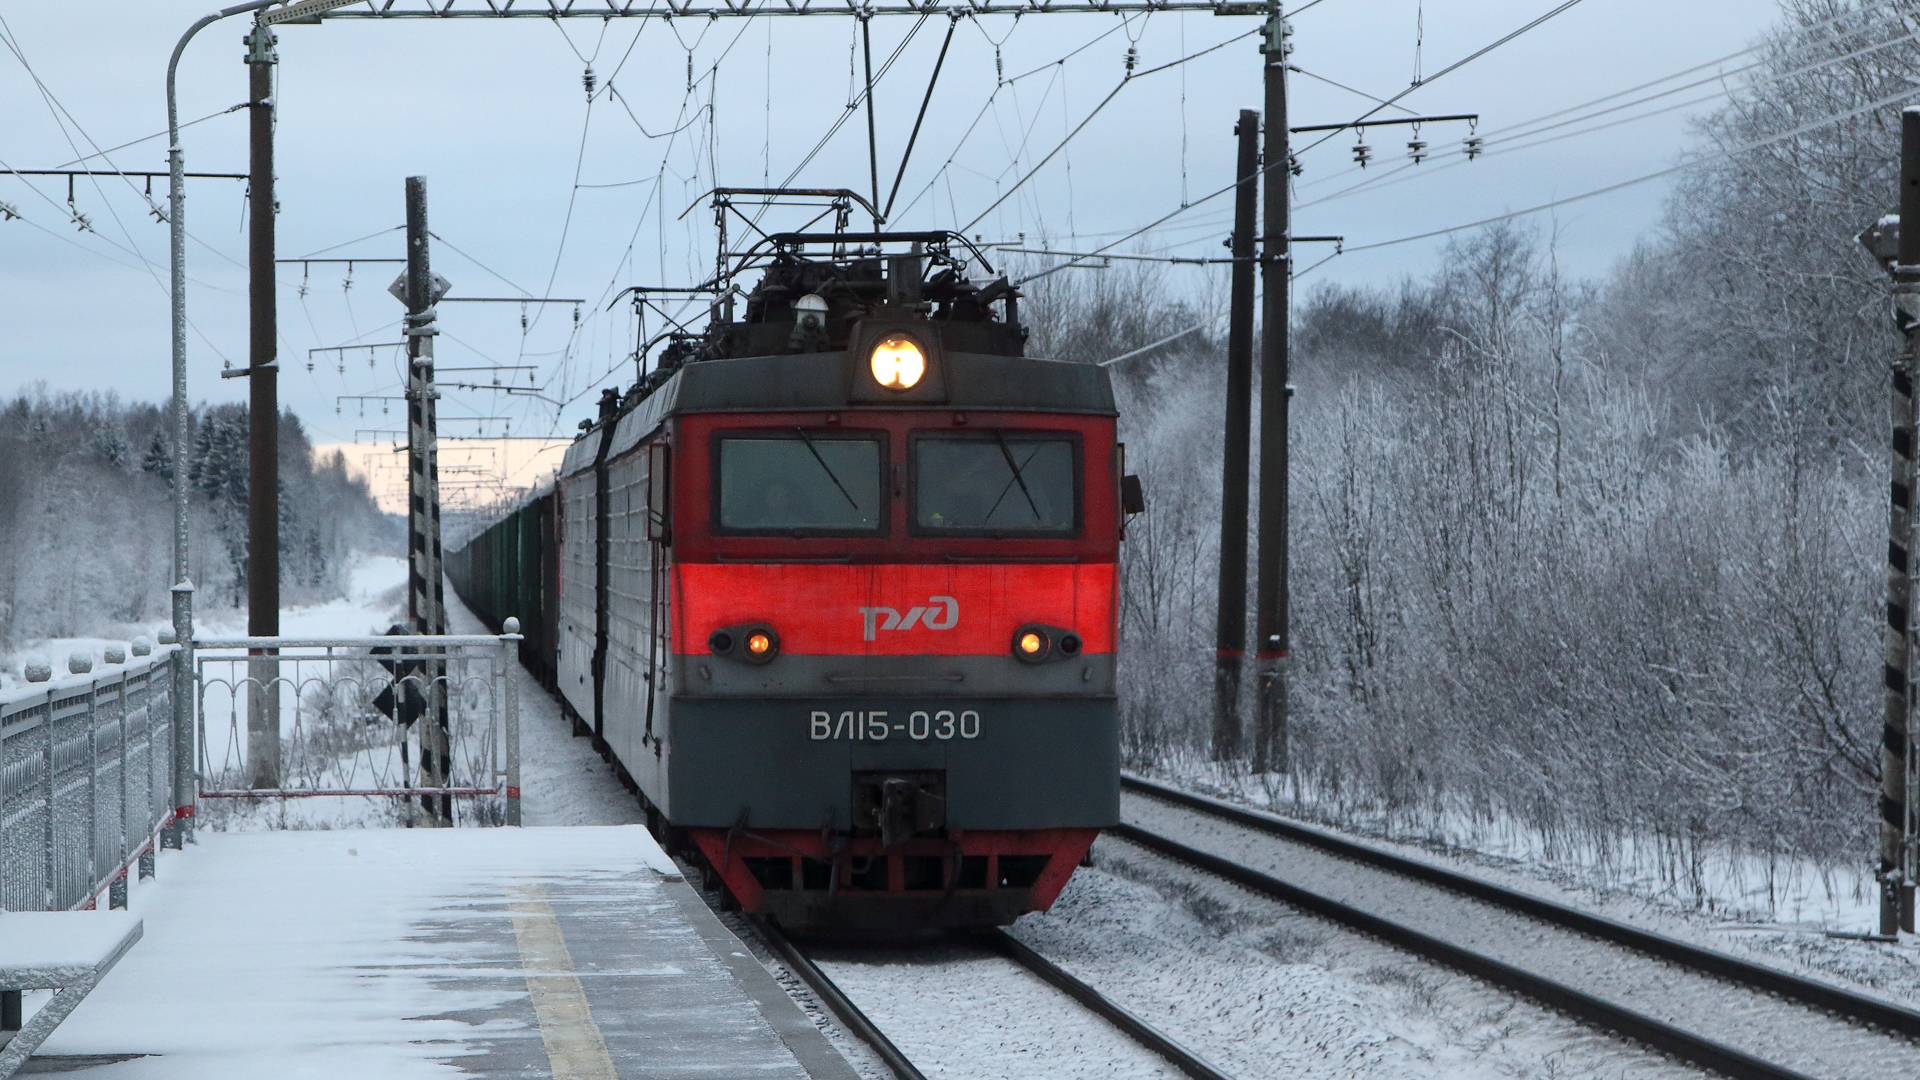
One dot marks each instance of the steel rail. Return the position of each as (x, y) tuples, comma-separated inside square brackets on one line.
[(1658, 1034), (836, 1001), (1102, 1006), (1838, 1000)]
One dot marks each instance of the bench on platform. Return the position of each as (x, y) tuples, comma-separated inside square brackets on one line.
[(67, 952)]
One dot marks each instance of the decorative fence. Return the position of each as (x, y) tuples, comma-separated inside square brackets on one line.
[(416, 726), (413, 726), (86, 771)]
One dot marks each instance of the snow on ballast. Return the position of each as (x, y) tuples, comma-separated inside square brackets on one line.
[(1793, 1038)]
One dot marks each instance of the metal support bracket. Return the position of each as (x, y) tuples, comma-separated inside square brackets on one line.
[(260, 42)]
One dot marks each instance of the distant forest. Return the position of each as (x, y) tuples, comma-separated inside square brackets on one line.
[(1600, 558), (86, 526)]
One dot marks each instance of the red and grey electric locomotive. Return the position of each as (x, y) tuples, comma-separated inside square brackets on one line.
[(837, 591)]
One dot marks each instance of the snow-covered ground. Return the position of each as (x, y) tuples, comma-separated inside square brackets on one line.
[(1792, 929), (383, 954), (957, 1011), (374, 599), (1260, 989), (1746, 888)]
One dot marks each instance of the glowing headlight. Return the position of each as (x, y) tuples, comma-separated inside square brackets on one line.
[(898, 362), (756, 643)]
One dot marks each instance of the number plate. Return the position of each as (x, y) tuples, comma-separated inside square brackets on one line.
[(879, 725)]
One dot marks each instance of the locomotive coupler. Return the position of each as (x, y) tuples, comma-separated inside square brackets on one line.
[(901, 806)]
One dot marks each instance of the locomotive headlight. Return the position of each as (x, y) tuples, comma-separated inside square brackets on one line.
[(1030, 645), (1038, 643), (898, 362), (755, 643)]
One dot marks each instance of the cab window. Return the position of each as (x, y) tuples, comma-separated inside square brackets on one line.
[(996, 483), (799, 481)]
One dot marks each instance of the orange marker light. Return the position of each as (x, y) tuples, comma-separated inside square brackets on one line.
[(1031, 643), (758, 643)]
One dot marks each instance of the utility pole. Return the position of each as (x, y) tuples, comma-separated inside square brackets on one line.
[(1896, 875), (1276, 267), (420, 289), (263, 414), (1230, 636)]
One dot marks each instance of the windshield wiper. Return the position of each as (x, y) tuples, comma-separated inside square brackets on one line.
[(828, 468), (1007, 452)]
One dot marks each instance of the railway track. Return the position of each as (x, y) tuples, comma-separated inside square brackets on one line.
[(858, 1023), (1707, 1008), (837, 1002)]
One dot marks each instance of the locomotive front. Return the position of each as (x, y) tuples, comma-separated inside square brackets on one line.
[(884, 689)]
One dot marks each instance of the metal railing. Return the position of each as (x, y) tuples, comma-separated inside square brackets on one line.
[(412, 723), (86, 763), (90, 774)]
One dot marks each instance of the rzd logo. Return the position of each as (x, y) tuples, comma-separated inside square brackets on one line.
[(938, 613)]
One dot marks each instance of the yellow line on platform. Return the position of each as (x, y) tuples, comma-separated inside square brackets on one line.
[(575, 1049)]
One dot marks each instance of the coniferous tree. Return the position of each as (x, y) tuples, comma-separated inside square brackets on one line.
[(158, 460)]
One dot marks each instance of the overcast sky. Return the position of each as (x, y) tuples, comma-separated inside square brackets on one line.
[(493, 113)]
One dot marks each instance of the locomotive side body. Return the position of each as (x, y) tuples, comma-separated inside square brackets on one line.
[(510, 570), (637, 682), (579, 575)]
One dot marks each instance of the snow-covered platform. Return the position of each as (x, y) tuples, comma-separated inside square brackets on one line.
[(565, 952)]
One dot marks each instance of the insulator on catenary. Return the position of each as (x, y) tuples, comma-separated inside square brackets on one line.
[(1475, 146), (1362, 153), (1133, 57), (1417, 150), (587, 80)]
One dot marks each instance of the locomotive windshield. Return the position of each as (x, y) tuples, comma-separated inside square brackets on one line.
[(800, 482), (995, 484)]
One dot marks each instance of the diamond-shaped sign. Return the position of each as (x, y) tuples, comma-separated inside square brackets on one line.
[(441, 286)]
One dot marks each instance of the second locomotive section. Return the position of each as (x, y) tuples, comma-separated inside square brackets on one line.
[(846, 618)]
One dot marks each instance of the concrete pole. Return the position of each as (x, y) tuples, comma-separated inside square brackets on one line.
[(263, 421), (1230, 632), (1276, 267), (183, 690), (1896, 879), (426, 593)]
